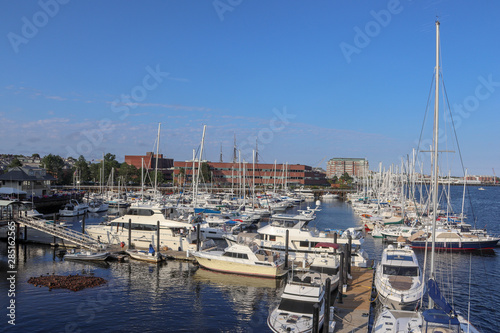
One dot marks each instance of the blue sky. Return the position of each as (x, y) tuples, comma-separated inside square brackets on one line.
[(307, 80)]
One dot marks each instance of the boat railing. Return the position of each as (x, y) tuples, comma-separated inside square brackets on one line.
[(81, 239)]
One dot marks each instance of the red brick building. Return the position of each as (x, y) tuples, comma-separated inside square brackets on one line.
[(226, 174), (165, 165)]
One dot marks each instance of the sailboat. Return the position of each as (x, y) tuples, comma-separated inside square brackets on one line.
[(439, 316)]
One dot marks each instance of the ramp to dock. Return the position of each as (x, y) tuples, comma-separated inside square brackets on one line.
[(353, 314), (76, 237)]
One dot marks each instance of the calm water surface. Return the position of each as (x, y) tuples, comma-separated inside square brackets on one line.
[(178, 297)]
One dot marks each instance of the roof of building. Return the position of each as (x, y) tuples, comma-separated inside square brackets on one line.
[(17, 174)]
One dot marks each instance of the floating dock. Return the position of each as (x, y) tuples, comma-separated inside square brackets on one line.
[(353, 314)]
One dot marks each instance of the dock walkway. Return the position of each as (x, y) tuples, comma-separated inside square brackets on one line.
[(73, 236), (353, 314)]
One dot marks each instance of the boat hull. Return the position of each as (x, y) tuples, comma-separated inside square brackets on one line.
[(232, 267), (456, 246), (87, 257)]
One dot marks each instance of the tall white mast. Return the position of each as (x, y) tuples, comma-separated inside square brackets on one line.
[(199, 163), (142, 179), (156, 162), (253, 179), (192, 175), (435, 161)]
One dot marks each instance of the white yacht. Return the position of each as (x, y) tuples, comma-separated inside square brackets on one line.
[(399, 279), (73, 208), (294, 313), (302, 240), (244, 260), (97, 206), (174, 234), (325, 266)]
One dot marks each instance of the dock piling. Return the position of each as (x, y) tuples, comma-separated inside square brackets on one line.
[(286, 248), (326, 323), (158, 236), (315, 318), (129, 233)]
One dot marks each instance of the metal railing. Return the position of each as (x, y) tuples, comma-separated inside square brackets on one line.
[(81, 239)]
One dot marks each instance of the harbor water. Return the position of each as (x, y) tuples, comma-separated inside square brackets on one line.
[(176, 296)]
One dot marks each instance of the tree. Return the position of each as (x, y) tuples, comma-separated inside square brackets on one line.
[(53, 164), (206, 175), (110, 162), (35, 155), (96, 173), (129, 172), (150, 179), (181, 178), (15, 163), (346, 179), (82, 169)]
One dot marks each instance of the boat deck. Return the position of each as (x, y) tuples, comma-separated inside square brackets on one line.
[(354, 313)]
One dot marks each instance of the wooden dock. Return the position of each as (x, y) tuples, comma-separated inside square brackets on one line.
[(353, 314)]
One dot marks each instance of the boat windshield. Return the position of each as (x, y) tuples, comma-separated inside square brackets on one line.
[(292, 305), (325, 270), (400, 270)]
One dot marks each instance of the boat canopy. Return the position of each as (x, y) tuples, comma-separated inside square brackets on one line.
[(325, 244)]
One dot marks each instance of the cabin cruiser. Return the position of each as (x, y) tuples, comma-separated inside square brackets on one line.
[(73, 208), (244, 260), (143, 220), (301, 239), (294, 313), (97, 206), (399, 279)]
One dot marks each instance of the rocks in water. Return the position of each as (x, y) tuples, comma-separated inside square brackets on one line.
[(71, 282)]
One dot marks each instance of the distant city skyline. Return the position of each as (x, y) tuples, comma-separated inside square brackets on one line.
[(307, 82)]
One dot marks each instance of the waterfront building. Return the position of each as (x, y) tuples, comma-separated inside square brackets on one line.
[(32, 180), (165, 165), (234, 174), (355, 167)]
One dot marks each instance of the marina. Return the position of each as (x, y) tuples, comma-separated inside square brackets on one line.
[(212, 300)]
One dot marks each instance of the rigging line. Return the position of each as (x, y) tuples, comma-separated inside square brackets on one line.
[(425, 115), (459, 151)]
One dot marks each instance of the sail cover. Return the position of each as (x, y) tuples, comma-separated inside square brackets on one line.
[(438, 298)]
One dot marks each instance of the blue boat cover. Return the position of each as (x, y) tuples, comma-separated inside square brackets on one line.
[(439, 317), (438, 298), (206, 210)]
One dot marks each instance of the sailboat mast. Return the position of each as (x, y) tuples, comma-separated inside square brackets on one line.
[(435, 160), (199, 163), (156, 162)]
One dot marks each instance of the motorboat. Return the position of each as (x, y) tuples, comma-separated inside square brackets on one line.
[(329, 196), (217, 230), (97, 206), (143, 221), (301, 239), (325, 266), (399, 279), (295, 310), (73, 208), (86, 255), (244, 260), (145, 255)]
